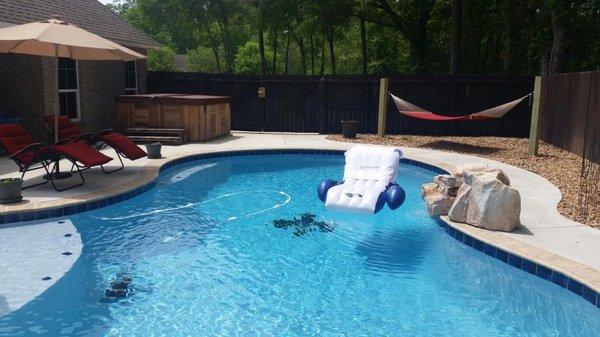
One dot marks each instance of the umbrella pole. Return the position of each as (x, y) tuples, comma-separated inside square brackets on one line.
[(57, 106), (57, 174)]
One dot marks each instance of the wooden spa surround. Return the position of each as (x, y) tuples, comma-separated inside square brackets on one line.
[(203, 117)]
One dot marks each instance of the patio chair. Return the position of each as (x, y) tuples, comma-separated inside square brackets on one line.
[(30, 155), (123, 146)]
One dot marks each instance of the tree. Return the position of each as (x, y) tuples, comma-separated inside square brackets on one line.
[(376, 36), (161, 59), (248, 60), (201, 59)]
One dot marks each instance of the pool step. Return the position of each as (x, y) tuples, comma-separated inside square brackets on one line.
[(165, 136)]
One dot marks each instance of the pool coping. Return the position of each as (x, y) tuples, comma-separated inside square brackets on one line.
[(579, 278)]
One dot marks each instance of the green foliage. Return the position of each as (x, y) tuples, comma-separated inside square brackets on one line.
[(201, 59), (161, 59), (247, 59), (402, 36)]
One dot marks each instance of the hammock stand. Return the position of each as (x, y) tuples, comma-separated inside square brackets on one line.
[(411, 110)]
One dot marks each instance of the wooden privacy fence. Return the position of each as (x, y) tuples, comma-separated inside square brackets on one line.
[(570, 119), (318, 104), (570, 112)]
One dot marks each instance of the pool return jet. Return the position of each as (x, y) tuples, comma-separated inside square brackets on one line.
[(369, 182)]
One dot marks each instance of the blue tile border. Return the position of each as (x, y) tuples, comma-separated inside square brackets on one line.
[(528, 266)]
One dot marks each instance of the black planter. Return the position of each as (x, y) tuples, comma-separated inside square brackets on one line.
[(10, 190), (153, 150), (350, 128)]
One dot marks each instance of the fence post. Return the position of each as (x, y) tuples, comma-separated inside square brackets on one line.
[(535, 118), (383, 88)]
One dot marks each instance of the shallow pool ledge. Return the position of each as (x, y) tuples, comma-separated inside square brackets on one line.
[(33, 258)]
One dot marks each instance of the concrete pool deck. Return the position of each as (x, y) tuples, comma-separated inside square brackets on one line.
[(546, 237)]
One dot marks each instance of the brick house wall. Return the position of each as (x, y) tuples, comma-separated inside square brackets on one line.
[(22, 90), (28, 90)]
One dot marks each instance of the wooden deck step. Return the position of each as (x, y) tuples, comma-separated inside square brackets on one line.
[(151, 131), (167, 136), (171, 140)]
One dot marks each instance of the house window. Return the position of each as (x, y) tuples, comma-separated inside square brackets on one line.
[(68, 89), (130, 78)]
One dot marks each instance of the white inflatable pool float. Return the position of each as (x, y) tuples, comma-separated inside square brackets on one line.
[(369, 182)]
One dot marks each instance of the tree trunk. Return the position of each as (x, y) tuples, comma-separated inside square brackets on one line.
[(214, 46), (363, 46), (323, 55), (300, 43), (331, 50), (261, 50), (224, 25), (557, 56), (287, 53), (508, 42), (274, 71), (312, 54), (456, 35)]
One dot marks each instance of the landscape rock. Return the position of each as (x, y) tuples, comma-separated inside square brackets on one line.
[(492, 204), (470, 175), (458, 211), (450, 181), (473, 167), (427, 189), (439, 204), (448, 191)]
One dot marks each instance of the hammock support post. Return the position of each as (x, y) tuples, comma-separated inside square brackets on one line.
[(383, 91), (535, 115)]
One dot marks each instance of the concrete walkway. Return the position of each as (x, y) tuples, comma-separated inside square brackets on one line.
[(545, 236)]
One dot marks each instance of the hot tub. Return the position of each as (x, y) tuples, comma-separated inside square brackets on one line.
[(203, 117)]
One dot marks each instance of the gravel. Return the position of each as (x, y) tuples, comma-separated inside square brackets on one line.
[(560, 167)]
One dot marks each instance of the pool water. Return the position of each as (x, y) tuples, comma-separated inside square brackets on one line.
[(242, 246)]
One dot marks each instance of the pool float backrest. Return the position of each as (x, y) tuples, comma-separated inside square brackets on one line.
[(368, 172)]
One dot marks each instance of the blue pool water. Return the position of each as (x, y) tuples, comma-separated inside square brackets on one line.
[(208, 258)]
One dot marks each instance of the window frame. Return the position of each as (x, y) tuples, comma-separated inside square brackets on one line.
[(76, 91), (135, 73)]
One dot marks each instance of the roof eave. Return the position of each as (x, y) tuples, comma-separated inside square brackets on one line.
[(136, 44)]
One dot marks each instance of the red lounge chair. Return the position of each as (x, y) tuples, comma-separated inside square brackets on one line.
[(30, 156), (122, 145)]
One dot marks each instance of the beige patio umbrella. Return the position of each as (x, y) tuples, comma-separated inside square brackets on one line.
[(56, 38)]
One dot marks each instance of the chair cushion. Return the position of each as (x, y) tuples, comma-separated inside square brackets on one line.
[(66, 128), (124, 145), (13, 137), (82, 153)]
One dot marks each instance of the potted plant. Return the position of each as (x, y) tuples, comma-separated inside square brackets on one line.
[(350, 128), (10, 190), (153, 150)]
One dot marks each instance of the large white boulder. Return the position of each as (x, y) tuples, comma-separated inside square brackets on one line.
[(492, 204), (458, 211)]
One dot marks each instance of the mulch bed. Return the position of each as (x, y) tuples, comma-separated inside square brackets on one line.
[(560, 167)]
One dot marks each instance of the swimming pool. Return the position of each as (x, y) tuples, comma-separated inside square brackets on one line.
[(242, 246)]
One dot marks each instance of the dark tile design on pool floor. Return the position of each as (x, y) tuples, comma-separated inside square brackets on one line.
[(305, 224)]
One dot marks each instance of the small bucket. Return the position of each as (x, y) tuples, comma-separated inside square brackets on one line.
[(10, 190), (153, 150), (350, 128)]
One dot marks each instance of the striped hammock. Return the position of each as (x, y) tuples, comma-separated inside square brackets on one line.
[(411, 110)]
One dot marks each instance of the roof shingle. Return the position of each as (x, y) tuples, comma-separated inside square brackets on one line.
[(90, 15)]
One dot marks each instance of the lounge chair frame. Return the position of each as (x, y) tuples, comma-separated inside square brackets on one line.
[(44, 158)]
